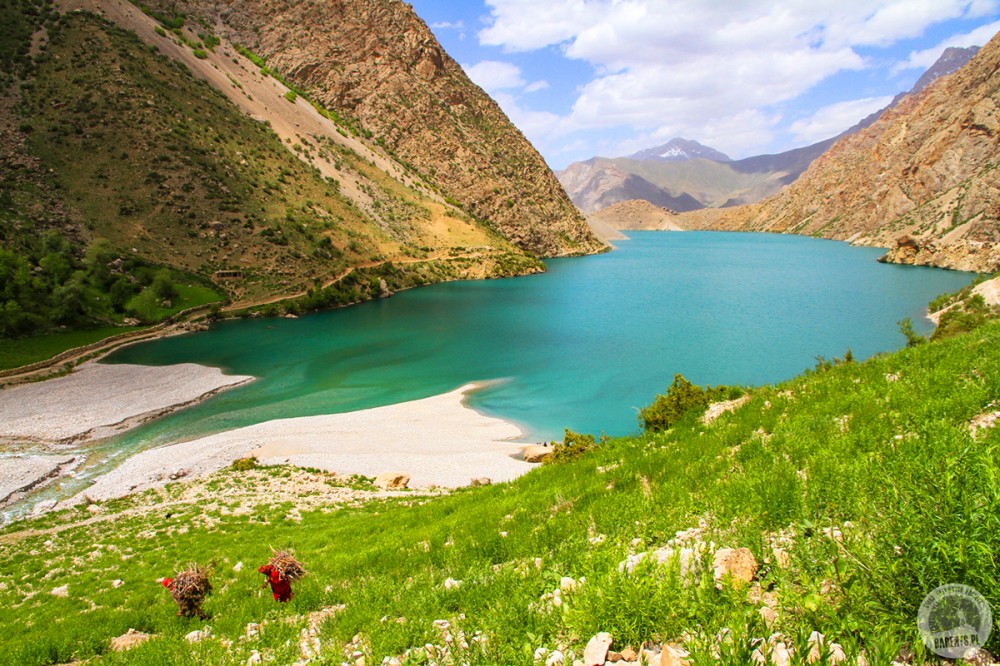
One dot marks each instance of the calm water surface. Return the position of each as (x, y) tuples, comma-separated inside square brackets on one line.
[(583, 345)]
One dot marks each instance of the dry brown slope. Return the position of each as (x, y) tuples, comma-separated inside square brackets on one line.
[(377, 62), (922, 180), (638, 215)]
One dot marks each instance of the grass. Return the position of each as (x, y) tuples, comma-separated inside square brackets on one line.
[(878, 455), (24, 351), (149, 308)]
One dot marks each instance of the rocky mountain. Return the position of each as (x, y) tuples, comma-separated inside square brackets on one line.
[(251, 160), (377, 62), (922, 179), (678, 150), (676, 176)]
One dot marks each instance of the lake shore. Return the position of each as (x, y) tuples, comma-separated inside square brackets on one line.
[(437, 441)]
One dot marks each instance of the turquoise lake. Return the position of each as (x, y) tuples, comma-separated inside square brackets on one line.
[(584, 345)]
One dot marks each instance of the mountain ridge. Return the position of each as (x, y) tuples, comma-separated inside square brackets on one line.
[(599, 182)]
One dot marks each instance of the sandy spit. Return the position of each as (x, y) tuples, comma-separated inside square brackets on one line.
[(438, 441), (21, 473), (100, 400)]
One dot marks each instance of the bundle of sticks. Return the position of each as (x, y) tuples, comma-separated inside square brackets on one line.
[(286, 565), (189, 589)]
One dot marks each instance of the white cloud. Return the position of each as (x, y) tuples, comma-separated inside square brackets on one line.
[(833, 119), (493, 75), (448, 25), (710, 69), (927, 57), (536, 125), (535, 86)]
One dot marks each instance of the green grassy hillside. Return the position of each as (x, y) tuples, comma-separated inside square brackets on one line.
[(865, 475)]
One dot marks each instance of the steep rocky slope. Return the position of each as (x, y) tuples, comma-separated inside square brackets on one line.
[(922, 179), (375, 61), (138, 145)]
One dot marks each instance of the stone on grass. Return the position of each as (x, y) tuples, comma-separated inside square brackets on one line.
[(556, 658), (452, 584), (673, 655), (739, 563), (198, 636), (536, 453), (392, 480), (596, 652), (567, 584), (481, 481), (128, 640), (61, 591)]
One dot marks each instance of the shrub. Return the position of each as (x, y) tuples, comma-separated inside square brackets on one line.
[(245, 464), (291, 96), (912, 337), (966, 316), (682, 398), (572, 447), (201, 54)]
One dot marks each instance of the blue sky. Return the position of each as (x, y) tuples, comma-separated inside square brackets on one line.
[(608, 77)]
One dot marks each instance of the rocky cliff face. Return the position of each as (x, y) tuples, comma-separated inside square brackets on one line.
[(375, 61), (921, 180)]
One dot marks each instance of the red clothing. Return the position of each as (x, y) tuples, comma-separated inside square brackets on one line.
[(168, 583), (281, 589)]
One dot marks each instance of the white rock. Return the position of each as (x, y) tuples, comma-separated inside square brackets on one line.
[(117, 583), (61, 591), (238, 567), (540, 653), (198, 636), (452, 584), (567, 584), (596, 652), (254, 658), (555, 659), (442, 624)]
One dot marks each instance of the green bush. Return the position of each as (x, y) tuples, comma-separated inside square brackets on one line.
[(245, 464), (572, 447), (965, 316), (682, 398), (912, 337)]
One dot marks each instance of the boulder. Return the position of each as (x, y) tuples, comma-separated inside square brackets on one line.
[(61, 591), (481, 481), (673, 655), (739, 563), (596, 652), (392, 480), (536, 453), (198, 636), (128, 640)]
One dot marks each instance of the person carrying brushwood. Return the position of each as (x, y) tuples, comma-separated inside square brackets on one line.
[(189, 589), (281, 570)]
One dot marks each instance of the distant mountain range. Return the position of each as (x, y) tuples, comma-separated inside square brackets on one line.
[(684, 175), (922, 180)]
